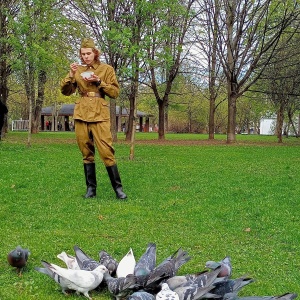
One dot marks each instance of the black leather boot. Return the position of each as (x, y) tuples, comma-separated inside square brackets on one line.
[(90, 178), (115, 180)]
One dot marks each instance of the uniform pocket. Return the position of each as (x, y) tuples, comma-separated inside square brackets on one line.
[(105, 114)]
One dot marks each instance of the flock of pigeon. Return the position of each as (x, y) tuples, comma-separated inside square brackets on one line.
[(143, 279)]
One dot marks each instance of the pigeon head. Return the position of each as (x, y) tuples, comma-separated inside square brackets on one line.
[(101, 269)]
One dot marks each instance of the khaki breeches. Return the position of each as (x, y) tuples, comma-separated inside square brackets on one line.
[(91, 134)]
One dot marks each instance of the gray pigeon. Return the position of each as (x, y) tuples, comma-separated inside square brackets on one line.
[(69, 260), (109, 262), (81, 281), (141, 295), (287, 296), (122, 286), (84, 261), (225, 263), (165, 270), (147, 261), (64, 283), (230, 285), (17, 258), (201, 279), (193, 292), (166, 294)]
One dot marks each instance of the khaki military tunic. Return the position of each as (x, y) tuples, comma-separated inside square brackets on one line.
[(91, 114), (92, 109)]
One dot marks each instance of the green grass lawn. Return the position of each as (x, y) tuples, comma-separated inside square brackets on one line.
[(210, 199)]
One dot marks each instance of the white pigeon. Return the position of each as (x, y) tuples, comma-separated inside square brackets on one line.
[(81, 281), (166, 294), (126, 265), (69, 260)]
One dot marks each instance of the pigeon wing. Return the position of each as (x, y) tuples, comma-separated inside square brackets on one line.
[(77, 278), (147, 261)]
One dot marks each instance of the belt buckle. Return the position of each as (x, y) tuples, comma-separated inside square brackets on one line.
[(91, 94)]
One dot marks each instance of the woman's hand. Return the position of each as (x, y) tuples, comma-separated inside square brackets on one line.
[(93, 78), (73, 69)]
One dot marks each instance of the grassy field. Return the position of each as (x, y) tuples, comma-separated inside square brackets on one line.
[(211, 199)]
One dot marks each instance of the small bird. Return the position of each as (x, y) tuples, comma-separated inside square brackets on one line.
[(84, 261), (166, 294), (69, 260), (200, 279), (147, 261), (108, 261), (230, 285), (286, 296), (226, 267), (17, 258), (64, 283), (122, 286), (141, 295), (81, 281), (126, 265), (165, 270)]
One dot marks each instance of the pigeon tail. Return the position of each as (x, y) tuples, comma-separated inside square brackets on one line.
[(84, 261), (287, 296), (181, 258), (147, 261)]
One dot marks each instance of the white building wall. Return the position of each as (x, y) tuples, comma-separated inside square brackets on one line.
[(267, 126)]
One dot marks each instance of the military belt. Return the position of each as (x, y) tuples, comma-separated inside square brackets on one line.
[(90, 94)]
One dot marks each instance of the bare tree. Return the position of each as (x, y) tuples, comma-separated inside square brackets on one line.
[(167, 38), (207, 61), (248, 35), (281, 83)]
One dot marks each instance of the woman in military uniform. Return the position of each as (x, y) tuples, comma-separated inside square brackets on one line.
[(93, 81)]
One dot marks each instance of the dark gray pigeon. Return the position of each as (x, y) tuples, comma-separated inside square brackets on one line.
[(200, 279), (84, 261), (108, 261), (165, 270), (122, 286), (193, 292), (141, 295), (17, 258), (287, 296), (147, 261), (230, 285), (64, 283), (225, 263)]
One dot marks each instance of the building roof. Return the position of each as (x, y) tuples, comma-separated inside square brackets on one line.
[(68, 110)]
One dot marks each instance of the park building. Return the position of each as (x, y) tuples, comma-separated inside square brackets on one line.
[(61, 119)]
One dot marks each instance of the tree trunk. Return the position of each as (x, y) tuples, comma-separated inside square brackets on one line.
[(231, 76), (30, 93), (231, 124), (134, 92), (131, 117), (279, 124), (4, 53), (37, 106), (161, 119), (213, 74)]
